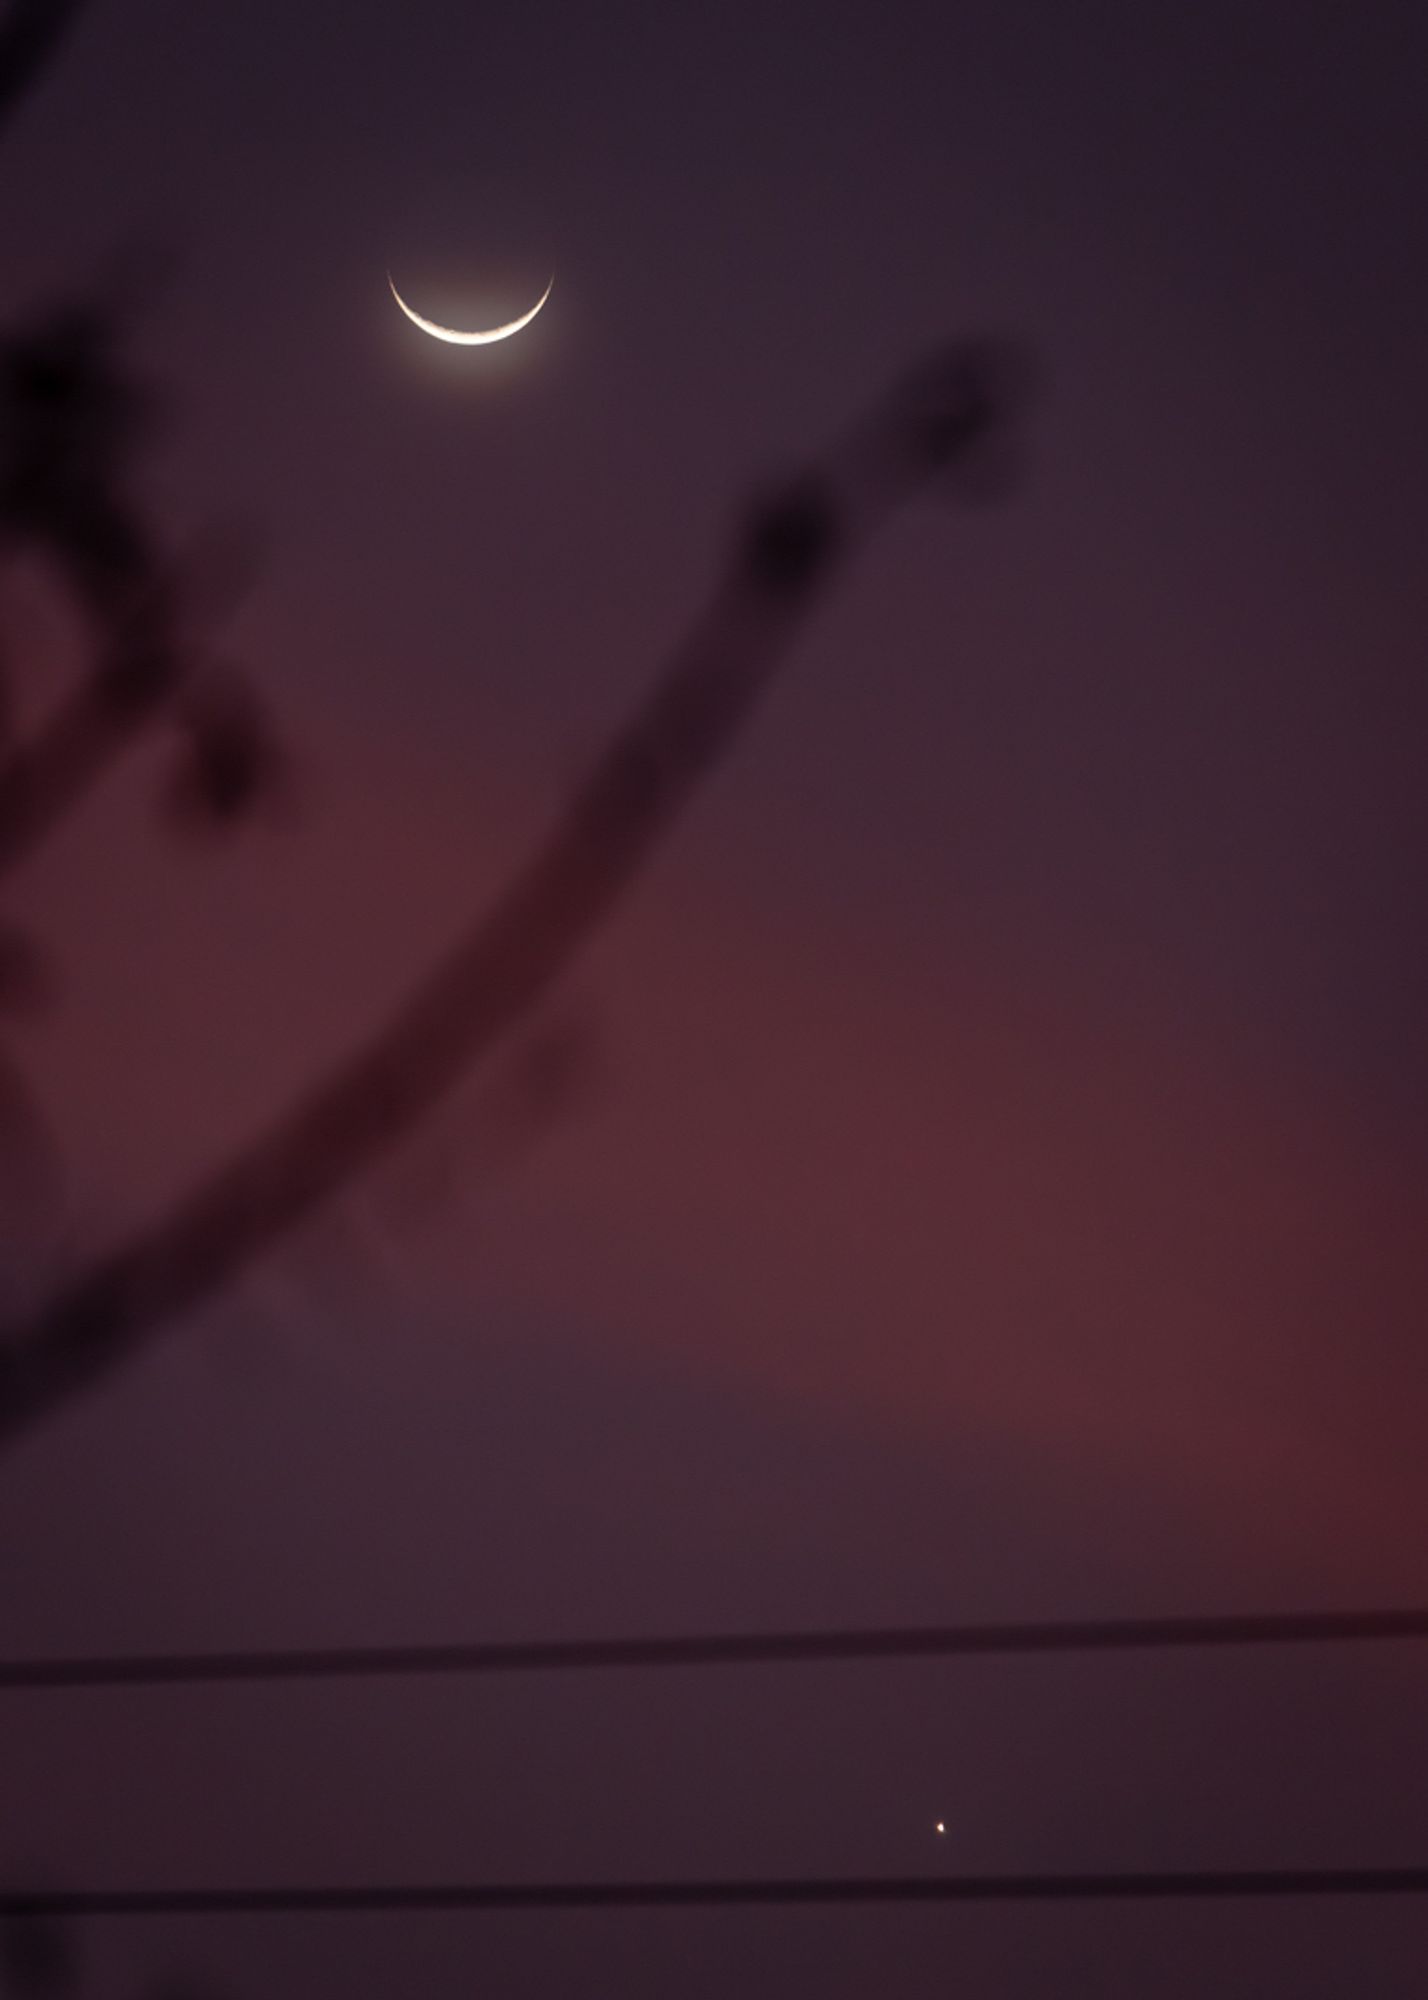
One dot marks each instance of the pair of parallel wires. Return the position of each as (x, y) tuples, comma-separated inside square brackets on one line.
[(886, 1643)]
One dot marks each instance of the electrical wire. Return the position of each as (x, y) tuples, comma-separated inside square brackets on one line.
[(1207, 1884), (714, 1650)]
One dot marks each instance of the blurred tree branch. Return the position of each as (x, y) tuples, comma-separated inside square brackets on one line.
[(72, 419), (948, 421)]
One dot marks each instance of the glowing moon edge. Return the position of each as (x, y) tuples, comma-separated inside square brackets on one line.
[(455, 335)]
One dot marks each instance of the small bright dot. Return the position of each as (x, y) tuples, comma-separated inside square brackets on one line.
[(941, 1826)]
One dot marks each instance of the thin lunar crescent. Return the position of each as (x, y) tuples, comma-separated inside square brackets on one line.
[(469, 339)]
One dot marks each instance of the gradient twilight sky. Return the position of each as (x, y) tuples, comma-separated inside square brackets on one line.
[(1001, 1189)]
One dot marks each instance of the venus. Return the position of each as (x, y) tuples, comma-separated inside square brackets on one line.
[(461, 339)]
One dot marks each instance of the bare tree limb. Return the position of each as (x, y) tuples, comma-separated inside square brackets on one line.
[(943, 418)]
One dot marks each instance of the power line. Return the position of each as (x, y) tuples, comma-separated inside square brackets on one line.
[(432, 1898), (715, 1650)]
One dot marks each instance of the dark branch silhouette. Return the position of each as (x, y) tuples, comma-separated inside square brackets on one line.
[(73, 418), (946, 420)]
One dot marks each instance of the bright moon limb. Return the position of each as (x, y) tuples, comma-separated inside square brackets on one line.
[(454, 334)]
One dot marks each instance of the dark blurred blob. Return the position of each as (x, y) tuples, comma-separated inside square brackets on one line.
[(39, 1958), (791, 539), (73, 419), (954, 417), (231, 764), (30, 34)]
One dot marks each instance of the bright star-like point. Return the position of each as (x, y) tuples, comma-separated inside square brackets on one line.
[(940, 1826)]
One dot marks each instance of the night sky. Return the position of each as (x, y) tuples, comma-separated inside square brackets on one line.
[(995, 1183)]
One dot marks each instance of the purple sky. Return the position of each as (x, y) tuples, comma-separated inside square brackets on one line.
[(1002, 1185)]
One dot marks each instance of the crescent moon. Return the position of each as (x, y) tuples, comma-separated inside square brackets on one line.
[(469, 339)]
